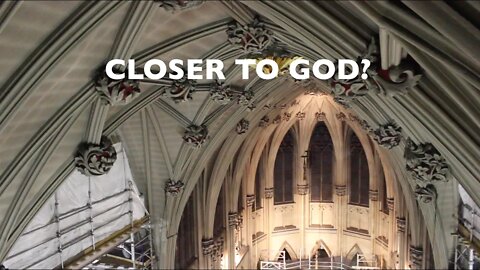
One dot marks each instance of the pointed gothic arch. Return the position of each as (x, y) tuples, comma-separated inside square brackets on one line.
[(320, 245), (288, 248)]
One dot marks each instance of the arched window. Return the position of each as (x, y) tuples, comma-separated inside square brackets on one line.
[(359, 182), (283, 171), (383, 191), (321, 164)]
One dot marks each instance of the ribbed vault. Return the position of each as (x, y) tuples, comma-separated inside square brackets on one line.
[(52, 51)]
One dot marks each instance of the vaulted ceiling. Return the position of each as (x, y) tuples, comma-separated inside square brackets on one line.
[(51, 52)]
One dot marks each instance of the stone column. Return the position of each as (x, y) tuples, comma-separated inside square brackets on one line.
[(268, 211), (374, 216), (302, 191), (250, 225), (234, 220), (401, 245), (341, 203), (207, 249)]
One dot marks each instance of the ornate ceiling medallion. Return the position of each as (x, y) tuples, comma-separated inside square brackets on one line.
[(221, 93), (396, 80), (242, 126), (280, 56), (252, 38), (173, 188), (116, 92), (176, 5), (181, 90), (425, 163), (388, 135), (196, 136), (96, 159)]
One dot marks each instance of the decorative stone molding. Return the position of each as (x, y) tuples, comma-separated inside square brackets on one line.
[(268, 193), (340, 190), (277, 120), (426, 193), (250, 200), (221, 93), (416, 257), (96, 159), (391, 204), (295, 102), (173, 188), (116, 92), (181, 90), (341, 116), (401, 224), (300, 115), (388, 135), (302, 189), (242, 126), (177, 5), (396, 80), (264, 122), (373, 195), (320, 116), (252, 38), (195, 135), (425, 163), (207, 246), (362, 123), (286, 116)]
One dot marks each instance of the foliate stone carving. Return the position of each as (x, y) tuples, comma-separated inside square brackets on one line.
[(426, 193), (277, 120), (207, 246), (416, 256), (252, 38), (116, 92), (388, 135), (283, 106), (267, 107), (396, 80), (268, 193), (425, 163), (195, 135), (217, 250), (286, 116), (401, 224), (96, 159), (177, 5), (320, 116), (242, 126), (173, 188), (373, 195), (234, 220), (264, 122), (391, 204), (341, 116), (295, 102), (250, 200), (302, 189), (245, 98), (340, 190), (221, 93), (181, 90), (300, 115)]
